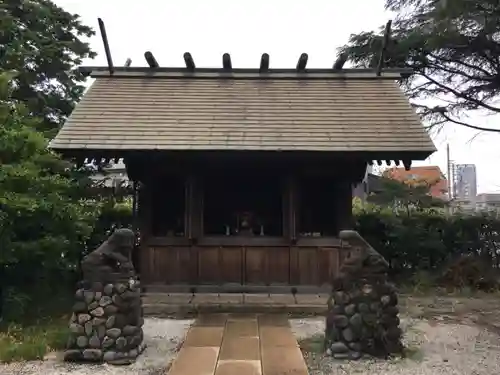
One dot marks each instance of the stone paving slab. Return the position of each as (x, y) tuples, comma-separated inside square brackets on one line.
[(283, 360), (240, 344), (195, 361), (240, 348), (204, 336), (235, 367)]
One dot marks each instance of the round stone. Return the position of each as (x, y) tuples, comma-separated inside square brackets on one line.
[(114, 332), (386, 300), (110, 322), (101, 331), (98, 296), (108, 342), (94, 342), (108, 289), (341, 356), (348, 334), (93, 305), (350, 309), (97, 312), (109, 356), (82, 341), (76, 328), (99, 321), (121, 342), (88, 295), (83, 318), (341, 321), (105, 301), (92, 354), (339, 297), (339, 347), (356, 320), (89, 327), (363, 308), (73, 355), (367, 289)]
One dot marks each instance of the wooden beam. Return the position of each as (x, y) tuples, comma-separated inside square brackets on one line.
[(339, 63), (148, 55), (302, 63), (226, 61), (105, 41), (407, 164), (264, 63), (188, 60), (385, 43)]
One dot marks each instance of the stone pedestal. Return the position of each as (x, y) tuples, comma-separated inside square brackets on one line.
[(362, 313), (107, 320)]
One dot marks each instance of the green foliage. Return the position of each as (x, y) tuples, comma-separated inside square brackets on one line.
[(45, 220), (43, 43), (453, 48), (32, 342), (400, 195), (429, 240)]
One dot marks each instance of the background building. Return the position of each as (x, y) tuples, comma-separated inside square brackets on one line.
[(464, 182)]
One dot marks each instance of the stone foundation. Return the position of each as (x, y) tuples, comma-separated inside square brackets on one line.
[(363, 318), (106, 325), (362, 313)]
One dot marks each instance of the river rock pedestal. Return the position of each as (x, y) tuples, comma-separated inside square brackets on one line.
[(107, 320), (362, 313)]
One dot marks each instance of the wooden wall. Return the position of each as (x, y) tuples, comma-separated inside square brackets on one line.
[(243, 265)]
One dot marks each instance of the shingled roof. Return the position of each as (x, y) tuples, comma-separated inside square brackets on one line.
[(313, 111)]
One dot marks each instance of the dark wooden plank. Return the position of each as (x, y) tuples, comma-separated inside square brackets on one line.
[(208, 265), (231, 261), (308, 266), (278, 264), (255, 265)]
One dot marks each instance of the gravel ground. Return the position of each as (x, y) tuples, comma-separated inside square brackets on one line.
[(435, 348), (162, 336)]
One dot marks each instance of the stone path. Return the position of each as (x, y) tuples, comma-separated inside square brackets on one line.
[(231, 344)]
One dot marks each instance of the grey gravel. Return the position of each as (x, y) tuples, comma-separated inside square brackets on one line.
[(162, 336), (435, 348)]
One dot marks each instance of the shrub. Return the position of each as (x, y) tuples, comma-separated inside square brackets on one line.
[(428, 240)]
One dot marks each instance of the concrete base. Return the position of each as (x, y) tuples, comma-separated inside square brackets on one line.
[(185, 304)]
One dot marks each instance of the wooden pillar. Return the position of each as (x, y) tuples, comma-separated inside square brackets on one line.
[(344, 218), (290, 209), (194, 209)]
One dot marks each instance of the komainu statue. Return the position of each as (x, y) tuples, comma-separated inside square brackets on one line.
[(106, 324), (112, 258)]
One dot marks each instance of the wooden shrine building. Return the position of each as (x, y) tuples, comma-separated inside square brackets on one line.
[(244, 176)]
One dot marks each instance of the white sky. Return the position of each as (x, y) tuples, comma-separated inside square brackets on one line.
[(248, 28)]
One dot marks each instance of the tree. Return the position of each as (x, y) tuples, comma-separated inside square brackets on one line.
[(453, 47), (405, 195), (44, 220), (42, 42)]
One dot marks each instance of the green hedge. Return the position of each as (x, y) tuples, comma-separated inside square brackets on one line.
[(429, 240)]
